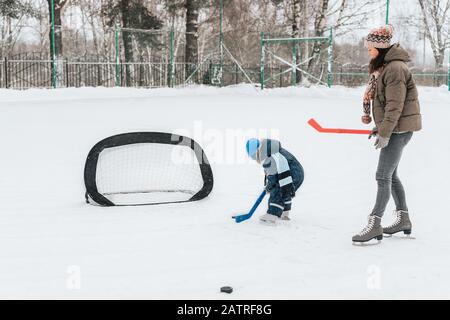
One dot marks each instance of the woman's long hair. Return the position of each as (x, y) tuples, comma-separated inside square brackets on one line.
[(378, 62)]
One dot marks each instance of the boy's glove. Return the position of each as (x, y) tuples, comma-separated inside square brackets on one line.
[(266, 185), (270, 183), (293, 192)]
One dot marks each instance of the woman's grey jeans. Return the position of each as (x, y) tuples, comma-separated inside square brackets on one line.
[(387, 178)]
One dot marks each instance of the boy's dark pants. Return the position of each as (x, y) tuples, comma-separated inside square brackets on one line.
[(279, 202)]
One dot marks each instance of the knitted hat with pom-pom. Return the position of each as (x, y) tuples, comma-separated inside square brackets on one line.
[(379, 38)]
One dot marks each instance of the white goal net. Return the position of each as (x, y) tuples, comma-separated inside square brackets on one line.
[(147, 173)]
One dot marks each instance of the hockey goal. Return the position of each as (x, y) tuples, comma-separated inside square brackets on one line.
[(146, 168)]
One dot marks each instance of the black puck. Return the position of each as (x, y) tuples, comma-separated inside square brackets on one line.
[(226, 289)]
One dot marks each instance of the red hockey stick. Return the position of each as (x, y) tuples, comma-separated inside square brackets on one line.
[(313, 123)]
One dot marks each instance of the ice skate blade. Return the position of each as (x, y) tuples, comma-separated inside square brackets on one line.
[(406, 235), (366, 244), (268, 223), (369, 242), (285, 222), (401, 237)]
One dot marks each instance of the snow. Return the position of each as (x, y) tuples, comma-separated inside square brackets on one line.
[(53, 245)]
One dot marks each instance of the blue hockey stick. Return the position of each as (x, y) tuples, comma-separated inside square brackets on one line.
[(247, 216)]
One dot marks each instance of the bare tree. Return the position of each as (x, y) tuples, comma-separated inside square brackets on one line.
[(56, 44), (191, 55), (12, 14), (436, 22), (244, 18), (299, 28), (138, 32), (90, 10), (101, 43), (58, 7), (320, 25), (314, 19)]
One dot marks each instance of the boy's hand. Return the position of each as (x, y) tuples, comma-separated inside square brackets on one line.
[(271, 182), (266, 185), (292, 191)]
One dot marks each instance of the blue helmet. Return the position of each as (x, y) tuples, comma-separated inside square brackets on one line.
[(252, 146)]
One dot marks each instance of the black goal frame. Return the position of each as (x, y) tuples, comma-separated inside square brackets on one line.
[(90, 169)]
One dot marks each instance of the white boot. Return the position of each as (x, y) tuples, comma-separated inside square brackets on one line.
[(269, 218), (285, 216)]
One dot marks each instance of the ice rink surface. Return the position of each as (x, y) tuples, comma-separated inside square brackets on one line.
[(53, 245)]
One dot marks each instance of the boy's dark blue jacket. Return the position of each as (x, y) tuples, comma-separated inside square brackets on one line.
[(282, 169)]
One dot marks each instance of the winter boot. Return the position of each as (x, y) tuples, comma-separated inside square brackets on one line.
[(401, 224), (285, 215), (269, 218), (373, 230)]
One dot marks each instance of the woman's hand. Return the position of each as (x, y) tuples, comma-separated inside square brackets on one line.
[(374, 133), (366, 119)]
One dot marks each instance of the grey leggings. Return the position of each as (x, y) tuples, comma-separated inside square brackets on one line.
[(387, 178)]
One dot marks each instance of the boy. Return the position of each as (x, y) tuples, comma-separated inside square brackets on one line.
[(283, 176)]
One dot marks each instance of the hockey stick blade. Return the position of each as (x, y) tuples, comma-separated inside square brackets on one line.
[(313, 123), (242, 217), (246, 216)]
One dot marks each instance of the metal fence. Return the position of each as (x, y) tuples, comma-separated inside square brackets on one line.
[(35, 71), (31, 73), (351, 75)]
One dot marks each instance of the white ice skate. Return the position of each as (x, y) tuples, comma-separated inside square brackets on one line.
[(285, 216), (269, 219)]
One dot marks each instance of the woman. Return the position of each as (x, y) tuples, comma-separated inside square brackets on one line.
[(396, 112)]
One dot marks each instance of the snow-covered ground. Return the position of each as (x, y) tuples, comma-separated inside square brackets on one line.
[(53, 245)]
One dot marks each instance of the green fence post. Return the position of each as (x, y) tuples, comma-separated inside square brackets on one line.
[(53, 43), (172, 75), (387, 11), (67, 72), (330, 60), (172, 60), (261, 71), (294, 64), (448, 80), (6, 73), (221, 42), (116, 31), (280, 71)]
